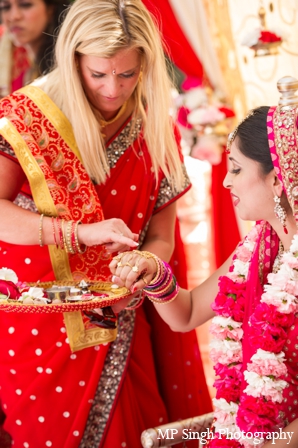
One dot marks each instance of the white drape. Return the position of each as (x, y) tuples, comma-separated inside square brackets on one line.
[(192, 19)]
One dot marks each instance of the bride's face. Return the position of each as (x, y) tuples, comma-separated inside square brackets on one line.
[(109, 82), (252, 191)]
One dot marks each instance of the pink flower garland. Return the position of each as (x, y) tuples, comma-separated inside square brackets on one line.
[(240, 418)]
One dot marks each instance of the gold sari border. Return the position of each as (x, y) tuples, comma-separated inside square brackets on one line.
[(80, 337), (40, 191)]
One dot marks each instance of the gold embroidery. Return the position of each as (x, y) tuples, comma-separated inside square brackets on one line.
[(286, 144), (79, 337), (44, 201), (262, 254), (54, 115), (40, 191)]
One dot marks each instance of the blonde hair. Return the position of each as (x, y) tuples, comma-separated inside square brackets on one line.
[(101, 28)]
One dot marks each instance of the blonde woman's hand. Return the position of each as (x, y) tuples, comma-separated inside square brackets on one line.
[(113, 233), (133, 270)]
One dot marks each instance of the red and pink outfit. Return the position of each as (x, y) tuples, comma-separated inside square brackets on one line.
[(255, 345)]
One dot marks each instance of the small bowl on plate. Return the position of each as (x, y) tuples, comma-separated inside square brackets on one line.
[(58, 293)]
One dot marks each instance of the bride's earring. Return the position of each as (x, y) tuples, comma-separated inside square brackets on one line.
[(280, 213)]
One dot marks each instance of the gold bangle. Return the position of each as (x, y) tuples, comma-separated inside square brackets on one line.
[(163, 302), (63, 235), (159, 292), (40, 230), (78, 246), (159, 272), (68, 237)]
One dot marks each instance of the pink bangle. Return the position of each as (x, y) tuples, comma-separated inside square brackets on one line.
[(60, 223), (167, 300), (54, 232)]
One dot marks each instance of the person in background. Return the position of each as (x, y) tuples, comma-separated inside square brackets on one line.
[(254, 294), (87, 152), (27, 37)]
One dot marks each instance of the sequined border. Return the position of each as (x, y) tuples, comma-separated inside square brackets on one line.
[(108, 385), (166, 193), (26, 203), (123, 141), (286, 165)]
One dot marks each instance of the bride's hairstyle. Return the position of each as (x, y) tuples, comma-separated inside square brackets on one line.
[(101, 28), (252, 139)]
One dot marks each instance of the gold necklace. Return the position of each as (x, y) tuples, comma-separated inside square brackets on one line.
[(104, 123)]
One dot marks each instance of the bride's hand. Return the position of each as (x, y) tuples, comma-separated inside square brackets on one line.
[(134, 269)]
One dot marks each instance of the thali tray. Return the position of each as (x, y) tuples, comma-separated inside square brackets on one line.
[(111, 295)]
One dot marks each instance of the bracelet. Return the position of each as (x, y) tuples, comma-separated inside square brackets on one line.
[(77, 244), (59, 224), (54, 232), (167, 295), (164, 302), (63, 235), (159, 274), (40, 230), (69, 247), (163, 289)]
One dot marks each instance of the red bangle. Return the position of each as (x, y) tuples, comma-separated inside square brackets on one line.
[(60, 232), (54, 231)]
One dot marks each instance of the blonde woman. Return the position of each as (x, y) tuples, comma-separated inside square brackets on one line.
[(92, 142)]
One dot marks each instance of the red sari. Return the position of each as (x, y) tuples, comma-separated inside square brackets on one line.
[(105, 395)]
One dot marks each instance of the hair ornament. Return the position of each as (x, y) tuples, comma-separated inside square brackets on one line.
[(232, 135)]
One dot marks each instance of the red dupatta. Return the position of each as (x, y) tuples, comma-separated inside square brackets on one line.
[(44, 144)]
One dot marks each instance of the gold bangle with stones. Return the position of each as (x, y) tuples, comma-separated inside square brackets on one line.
[(68, 237), (63, 234), (40, 230), (78, 246)]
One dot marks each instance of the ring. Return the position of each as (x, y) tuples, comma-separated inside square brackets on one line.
[(145, 281), (128, 264), (119, 264), (135, 268)]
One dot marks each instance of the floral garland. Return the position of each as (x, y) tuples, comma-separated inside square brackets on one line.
[(246, 418)]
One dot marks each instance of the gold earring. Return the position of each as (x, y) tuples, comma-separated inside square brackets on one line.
[(280, 213)]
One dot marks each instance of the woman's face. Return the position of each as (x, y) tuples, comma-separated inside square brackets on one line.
[(108, 83), (252, 191), (26, 20)]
